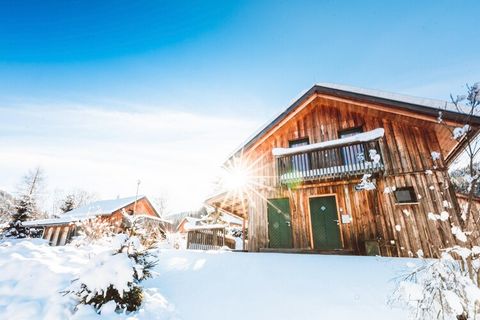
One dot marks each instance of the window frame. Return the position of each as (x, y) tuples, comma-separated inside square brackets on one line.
[(343, 150), (298, 157), (299, 140), (413, 196)]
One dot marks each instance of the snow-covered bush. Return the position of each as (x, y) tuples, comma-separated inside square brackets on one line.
[(443, 288), (112, 278), (93, 230), (149, 230)]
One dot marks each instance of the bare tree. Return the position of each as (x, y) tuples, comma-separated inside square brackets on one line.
[(33, 183), (448, 288), (160, 204)]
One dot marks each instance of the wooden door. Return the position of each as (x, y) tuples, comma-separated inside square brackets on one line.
[(279, 223), (325, 224)]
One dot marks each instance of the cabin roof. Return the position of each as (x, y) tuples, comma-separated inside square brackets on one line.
[(94, 209), (418, 105)]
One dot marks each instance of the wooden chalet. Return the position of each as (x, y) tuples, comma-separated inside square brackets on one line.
[(58, 231), (350, 170)]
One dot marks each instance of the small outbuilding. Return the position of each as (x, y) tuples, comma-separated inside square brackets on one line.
[(58, 231)]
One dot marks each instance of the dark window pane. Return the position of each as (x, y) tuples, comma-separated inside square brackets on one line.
[(300, 162), (405, 195), (352, 154)]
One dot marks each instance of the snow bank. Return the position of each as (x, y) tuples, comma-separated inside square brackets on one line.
[(34, 276), (206, 285)]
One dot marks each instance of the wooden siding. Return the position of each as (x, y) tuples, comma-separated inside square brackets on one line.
[(406, 152)]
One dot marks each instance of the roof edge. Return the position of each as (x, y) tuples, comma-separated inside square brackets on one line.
[(341, 93)]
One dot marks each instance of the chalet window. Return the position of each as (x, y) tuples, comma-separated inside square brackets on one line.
[(405, 195), (352, 154), (300, 162)]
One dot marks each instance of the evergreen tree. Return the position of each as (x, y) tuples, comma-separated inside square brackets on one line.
[(69, 203), (25, 207)]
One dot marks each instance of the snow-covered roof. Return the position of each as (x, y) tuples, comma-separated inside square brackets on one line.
[(360, 137), (47, 222), (94, 209), (426, 102), (396, 100), (100, 208)]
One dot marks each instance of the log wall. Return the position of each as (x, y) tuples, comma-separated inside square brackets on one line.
[(406, 152)]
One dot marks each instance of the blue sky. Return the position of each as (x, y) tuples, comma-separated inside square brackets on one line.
[(67, 66)]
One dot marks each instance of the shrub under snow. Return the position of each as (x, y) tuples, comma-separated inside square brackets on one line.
[(111, 280)]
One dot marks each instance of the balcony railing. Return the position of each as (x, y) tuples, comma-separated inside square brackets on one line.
[(336, 161)]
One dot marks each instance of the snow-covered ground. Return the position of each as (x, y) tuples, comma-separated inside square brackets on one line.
[(207, 285)]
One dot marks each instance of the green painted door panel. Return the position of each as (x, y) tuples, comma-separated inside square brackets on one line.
[(325, 229), (279, 223)]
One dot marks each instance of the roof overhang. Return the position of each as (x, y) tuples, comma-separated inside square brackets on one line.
[(412, 105), (232, 205)]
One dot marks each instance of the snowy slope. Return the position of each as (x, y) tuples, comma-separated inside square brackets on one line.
[(207, 285), (230, 285)]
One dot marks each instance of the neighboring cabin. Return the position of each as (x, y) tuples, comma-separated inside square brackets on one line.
[(59, 231), (187, 223), (306, 189)]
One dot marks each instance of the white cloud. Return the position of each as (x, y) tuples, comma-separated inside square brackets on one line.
[(106, 151)]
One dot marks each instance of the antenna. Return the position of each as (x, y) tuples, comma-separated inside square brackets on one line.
[(136, 197)]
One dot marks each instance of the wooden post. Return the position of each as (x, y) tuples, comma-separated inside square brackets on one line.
[(223, 237), (63, 238), (243, 235), (48, 234), (55, 236)]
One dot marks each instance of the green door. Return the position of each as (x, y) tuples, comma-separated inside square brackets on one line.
[(279, 223), (325, 229)]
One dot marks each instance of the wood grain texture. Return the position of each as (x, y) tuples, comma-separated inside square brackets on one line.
[(402, 230)]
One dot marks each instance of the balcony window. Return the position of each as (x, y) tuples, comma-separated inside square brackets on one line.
[(352, 154), (300, 162)]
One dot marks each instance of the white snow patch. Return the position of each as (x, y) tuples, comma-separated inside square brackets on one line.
[(361, 137), (460, 131), (435, 155), (459, 234), (316, 286)]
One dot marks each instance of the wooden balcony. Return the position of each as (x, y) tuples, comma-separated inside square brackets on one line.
[(329, 161)]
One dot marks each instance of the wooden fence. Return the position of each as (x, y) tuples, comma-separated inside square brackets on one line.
[(208, 239)]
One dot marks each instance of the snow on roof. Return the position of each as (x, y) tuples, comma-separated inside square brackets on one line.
[(94, 209), (426, 102), (100, 208), (433, 104), (46, 222), (231, 219), (361, 137)]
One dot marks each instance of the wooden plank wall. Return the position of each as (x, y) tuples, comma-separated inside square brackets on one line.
[(406, 150)]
